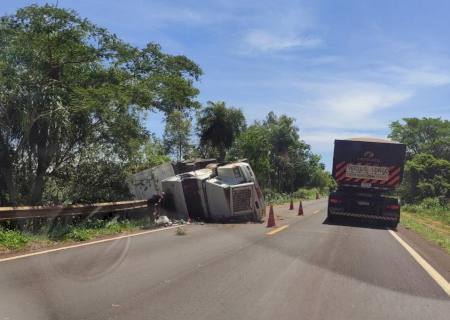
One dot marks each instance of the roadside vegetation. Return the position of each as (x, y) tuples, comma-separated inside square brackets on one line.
[(425, 191), (300, 194), (430, 219), (58, 233)]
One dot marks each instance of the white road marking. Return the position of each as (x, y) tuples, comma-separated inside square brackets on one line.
[(84, 244), (440, 280), (317, 211)]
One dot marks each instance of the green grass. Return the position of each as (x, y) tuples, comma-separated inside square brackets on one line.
[(432, 224), (300, 194), (11, 240), (440, 214)]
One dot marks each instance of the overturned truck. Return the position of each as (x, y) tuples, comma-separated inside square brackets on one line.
[(214, 193)]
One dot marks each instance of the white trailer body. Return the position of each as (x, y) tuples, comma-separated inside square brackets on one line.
[(143, 185)]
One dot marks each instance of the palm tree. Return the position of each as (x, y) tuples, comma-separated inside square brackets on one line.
[(217, 127)]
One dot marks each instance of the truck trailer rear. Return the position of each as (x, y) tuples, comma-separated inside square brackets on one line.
[(367, 171)]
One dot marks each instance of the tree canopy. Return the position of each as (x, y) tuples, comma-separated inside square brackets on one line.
[(177, 135), (280, 159), (67, 85), (426, 135), (427, 171), (426, 177)]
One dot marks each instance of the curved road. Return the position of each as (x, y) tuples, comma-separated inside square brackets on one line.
[(309, 270)]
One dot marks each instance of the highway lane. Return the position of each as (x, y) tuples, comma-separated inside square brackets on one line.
[(310, 270)]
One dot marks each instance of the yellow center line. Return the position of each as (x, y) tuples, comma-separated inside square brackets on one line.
[(440, 280), (277, 230)]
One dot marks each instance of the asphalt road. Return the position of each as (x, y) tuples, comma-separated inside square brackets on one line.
[(310, 270)]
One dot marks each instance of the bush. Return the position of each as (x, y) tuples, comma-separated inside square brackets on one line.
[(11, 239), (79, 234), (180, 231), (434, 203), (305, 193), (302, 193), (58, 230), (115, 226)]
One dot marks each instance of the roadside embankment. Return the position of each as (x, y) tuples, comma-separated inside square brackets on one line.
[(431, 224)]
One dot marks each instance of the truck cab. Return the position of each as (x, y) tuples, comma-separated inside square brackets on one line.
[(234, 192)]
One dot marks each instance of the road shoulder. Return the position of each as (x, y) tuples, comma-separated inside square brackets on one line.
[(432, 253)]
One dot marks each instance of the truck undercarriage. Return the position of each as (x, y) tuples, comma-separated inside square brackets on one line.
[(363, 205)]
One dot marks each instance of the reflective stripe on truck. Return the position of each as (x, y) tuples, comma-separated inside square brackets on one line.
[(359, 215)]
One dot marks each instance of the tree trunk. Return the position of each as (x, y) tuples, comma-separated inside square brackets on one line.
[(10, 185), (38, 188)]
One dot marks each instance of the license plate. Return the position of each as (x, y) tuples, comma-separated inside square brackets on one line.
[(363, 203)]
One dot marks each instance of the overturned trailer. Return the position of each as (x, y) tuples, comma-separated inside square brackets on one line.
[(201, 189), (215, 193), (145, 184)]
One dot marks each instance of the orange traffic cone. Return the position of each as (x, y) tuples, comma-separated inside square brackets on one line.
[(271, 220), (317, 196), (300, 209), (291, 206)]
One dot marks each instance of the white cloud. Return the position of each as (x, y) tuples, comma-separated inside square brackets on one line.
[(421, 76), (269, 41), (322, 140), (349, 104)]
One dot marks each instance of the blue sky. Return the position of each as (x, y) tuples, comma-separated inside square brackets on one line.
[(340, 68)]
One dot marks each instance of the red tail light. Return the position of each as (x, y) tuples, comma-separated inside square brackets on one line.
[(393, 207), (335, 201)]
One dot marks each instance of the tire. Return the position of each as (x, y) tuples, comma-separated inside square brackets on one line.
[(393, 225), (330, 218)]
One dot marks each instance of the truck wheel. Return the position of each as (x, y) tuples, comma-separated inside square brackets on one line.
[(330, 218), (393, 225)]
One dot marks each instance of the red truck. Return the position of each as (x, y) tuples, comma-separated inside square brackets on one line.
[(367, 171)]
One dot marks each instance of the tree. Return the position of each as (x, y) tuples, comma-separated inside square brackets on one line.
[(96, 177), (217, 127), (279, 158), (426, 135), (67, 85), (322, 180), (254, 144), (177, 134), (149, 155), (426, 177)]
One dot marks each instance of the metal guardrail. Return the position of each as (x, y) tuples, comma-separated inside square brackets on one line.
[(14, 213)]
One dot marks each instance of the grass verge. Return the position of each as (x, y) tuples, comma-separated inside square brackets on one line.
[(52, 235), (300, 194), (430, 224)]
